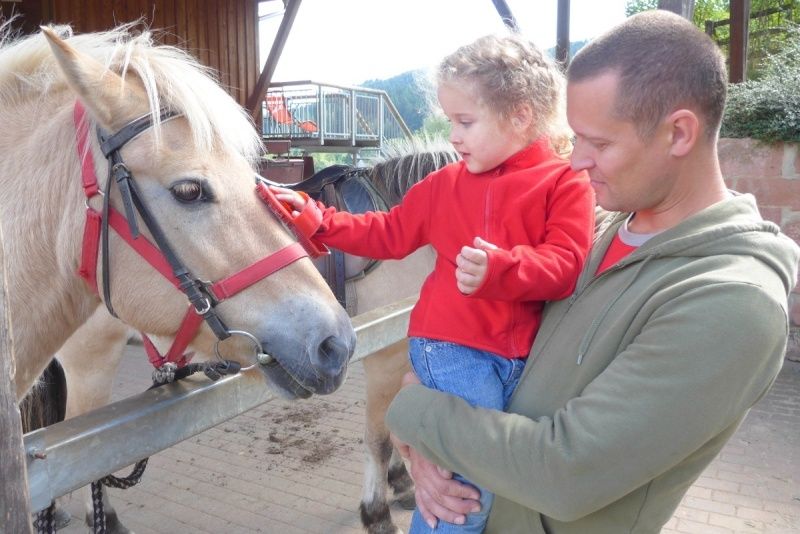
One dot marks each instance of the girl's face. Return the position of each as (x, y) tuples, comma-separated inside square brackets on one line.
[(476, 131)]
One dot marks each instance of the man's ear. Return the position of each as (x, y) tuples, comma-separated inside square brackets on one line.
[(685, 131)]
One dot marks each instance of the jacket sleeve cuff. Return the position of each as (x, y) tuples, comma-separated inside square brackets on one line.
[(488, 287), (406, 412)]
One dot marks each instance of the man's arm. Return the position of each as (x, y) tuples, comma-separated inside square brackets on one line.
[(659, 401), (438, 496)]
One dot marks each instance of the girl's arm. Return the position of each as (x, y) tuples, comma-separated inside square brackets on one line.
[(549, 270), (374, 234)]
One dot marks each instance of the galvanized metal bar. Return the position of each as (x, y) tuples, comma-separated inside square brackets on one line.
[(382, 327), (73, 453)]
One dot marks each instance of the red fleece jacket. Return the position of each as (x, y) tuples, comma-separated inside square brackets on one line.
[(533, 207)]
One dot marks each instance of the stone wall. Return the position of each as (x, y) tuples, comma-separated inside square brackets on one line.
[(771, 172)]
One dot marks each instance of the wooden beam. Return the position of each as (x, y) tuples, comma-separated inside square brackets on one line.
[(740, 18), (562, 33), (14, 496), (255, 99)]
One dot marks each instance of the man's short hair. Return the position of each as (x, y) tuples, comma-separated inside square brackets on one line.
[(664, 63)]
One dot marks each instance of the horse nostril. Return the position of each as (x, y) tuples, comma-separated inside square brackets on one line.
[(332, 355), (334, 348)]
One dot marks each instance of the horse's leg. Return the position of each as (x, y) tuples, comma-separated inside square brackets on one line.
[(383, 371), (90, 358), (401, 482)]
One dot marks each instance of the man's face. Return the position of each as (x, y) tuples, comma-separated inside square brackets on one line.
[(475, 130), (627, 173)]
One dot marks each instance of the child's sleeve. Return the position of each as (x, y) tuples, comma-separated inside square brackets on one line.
[(549, 270), (376, 234)]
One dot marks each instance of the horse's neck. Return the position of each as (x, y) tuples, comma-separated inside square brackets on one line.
[(393, 280), (42, 224)]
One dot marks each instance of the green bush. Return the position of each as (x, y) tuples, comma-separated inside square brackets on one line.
[(768, 109)]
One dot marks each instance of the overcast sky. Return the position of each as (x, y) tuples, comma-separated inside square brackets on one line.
[(349, 41)]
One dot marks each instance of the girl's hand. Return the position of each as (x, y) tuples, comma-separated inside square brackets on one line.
[(292, 198), (472, 264)]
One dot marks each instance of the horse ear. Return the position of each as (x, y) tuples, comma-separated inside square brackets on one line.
[(102, 91)]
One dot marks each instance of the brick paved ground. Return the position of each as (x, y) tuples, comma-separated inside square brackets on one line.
[(296, 468)]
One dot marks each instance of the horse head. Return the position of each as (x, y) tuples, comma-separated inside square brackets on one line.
[(186, 149)]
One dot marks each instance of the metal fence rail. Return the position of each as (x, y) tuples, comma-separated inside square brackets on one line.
[(73, 453), (314, 115)]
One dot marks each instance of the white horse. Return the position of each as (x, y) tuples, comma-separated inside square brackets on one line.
[(89, 376), (174, 155)]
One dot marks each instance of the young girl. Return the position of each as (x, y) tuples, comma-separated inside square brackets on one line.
[(511, 225)]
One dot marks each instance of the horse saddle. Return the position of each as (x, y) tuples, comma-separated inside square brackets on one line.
[(347, 188), (352, 188)]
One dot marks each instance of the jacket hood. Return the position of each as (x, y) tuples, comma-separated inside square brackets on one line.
[(731, 227)]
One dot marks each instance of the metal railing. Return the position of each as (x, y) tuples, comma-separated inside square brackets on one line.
[(313, 114), (66, 456)]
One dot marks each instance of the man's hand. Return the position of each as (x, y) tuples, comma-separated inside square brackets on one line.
[(471, 265), (438, 495)]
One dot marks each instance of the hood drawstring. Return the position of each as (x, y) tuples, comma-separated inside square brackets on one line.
[(587, 339)]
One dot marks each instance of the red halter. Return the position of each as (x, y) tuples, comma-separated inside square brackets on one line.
[(303, 226)]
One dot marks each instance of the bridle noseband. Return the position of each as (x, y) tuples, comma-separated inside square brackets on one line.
[(203, 296)]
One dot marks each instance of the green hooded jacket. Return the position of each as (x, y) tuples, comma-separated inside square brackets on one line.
[(634, 384)]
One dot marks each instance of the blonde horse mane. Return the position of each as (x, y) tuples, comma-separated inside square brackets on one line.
[(171, 78), (405, 162)]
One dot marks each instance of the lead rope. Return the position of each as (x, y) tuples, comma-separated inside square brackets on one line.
[(44, 521)]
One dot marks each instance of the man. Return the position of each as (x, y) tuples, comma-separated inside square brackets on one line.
[(678, 324)]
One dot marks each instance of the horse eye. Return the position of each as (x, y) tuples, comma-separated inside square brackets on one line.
[(188, 191)]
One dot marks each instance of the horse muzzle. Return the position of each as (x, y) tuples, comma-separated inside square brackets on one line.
[(314, 365)]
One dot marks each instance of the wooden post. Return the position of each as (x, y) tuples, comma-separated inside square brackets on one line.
[(684, 8), (14, 498), (740, 18), (562, 33), (260, 92)]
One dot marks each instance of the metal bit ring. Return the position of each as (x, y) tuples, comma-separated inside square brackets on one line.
[(261, 358)]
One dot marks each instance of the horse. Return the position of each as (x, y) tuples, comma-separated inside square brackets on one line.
[(91, 356), (128, 181), (403, 165)]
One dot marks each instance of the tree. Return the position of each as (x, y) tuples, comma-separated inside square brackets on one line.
[(435, 126), (769, 29), (768, 108)]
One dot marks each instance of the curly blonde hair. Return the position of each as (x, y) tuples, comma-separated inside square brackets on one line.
[(507, 71)]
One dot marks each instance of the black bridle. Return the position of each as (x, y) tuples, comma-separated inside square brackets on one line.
[(203, 296)]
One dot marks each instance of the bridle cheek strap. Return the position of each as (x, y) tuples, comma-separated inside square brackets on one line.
[(219, 291), (248, 276), (91, 247)]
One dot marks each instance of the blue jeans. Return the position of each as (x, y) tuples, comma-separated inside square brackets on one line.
[(481, 378)]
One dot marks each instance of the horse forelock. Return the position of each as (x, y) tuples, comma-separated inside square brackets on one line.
[(170, 76), (406, 162)]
